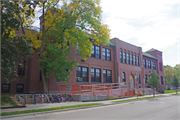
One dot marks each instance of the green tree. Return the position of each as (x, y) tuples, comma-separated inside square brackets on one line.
[(15, 15), (175, 82), (168, 74), (153, 80), (67, 23), (177, 71)]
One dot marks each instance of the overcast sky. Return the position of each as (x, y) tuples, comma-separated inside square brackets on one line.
[(146, 23)]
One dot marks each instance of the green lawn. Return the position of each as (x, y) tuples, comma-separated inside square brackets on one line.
[(170, 91), (6, 100), (48, 109)]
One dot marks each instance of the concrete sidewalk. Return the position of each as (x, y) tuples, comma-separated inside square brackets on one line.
[(50, 105)]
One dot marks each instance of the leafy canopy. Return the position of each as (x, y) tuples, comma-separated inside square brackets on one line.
[(65, 24), (154, 79), (15, 15)]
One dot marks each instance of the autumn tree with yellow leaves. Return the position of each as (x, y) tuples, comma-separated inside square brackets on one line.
[(65, 23), (15, 16)]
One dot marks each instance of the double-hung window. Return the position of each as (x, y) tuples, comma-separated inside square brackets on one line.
[(144, 63), (128, 61), (106, 54), (131, 59), (162, 82), (107, 76), (153, 65), (145, 76), (21, 69), (120, 55), (82, 72), (134, 59), (137, 57), (124, 77), (95, 51), (124, 57), (95, 75), (138, 78)]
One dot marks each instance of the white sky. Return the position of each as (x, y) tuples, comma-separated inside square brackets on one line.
[(145, 23)]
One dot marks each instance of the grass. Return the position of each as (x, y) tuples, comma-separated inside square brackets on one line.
[(134, 99), (170, 91), (6, 100), (112, 97), (48, 109)]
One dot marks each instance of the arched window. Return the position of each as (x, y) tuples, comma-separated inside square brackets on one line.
[(124, 77)]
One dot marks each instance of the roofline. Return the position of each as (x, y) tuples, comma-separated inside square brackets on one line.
[(150, 57), (125, 42)]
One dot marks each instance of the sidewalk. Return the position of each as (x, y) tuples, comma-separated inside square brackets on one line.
[(50, 105)]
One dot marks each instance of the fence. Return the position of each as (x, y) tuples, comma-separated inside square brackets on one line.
[(108, 89)]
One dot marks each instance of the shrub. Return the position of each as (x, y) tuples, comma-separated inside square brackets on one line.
[(168, 88), (160, 89)]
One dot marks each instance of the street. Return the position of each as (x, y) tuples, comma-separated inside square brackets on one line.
[(160, 108)]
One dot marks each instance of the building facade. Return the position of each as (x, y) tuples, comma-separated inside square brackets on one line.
[(118, 62)]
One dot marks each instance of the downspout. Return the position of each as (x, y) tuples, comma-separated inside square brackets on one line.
[(115, 63), (27, 77)]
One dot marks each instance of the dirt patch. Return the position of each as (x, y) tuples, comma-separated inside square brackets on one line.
[(7, 105)]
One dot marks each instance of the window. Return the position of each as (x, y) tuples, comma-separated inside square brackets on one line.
[(162, 82), (120, 54), (21, 69), (106, 54), (5, 88), (144, 63), (153, 65), (137, 57), (149, 76), (138, 78), (107, 76), (148, 64), (128, 61), (95, 51), (124, 57), (131, 58), (145, 76), (82, 72), (134, 59), (95, 75), (160, 66), (124, 77), (20, 88), (78, 53)]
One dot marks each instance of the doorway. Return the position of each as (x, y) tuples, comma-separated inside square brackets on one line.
[(131, 81)]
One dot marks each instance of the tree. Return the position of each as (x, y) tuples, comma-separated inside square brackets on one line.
[(153, 80), (175, 82), (15, 15), (168, 74), (67, 23), (177, 71)]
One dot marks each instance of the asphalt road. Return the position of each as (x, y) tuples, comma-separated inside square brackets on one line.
[(164, 108)]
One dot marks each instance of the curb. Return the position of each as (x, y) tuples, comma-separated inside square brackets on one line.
[(13, 107)]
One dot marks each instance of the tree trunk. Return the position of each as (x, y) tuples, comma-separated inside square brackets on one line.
[(153, 92), (176, 90), (45, 81)]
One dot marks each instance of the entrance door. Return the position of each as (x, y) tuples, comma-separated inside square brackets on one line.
[(131, 82)]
